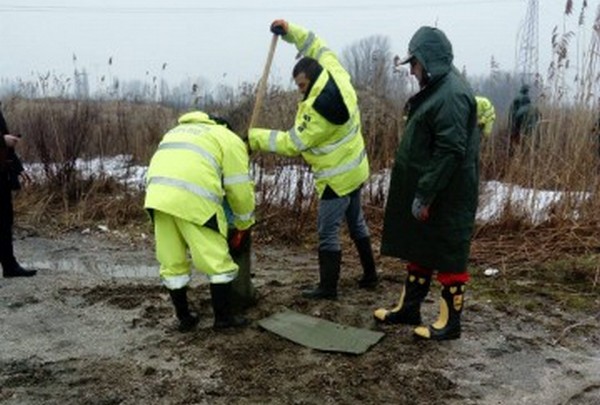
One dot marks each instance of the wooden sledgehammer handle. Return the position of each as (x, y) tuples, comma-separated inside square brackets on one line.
[(262, 85)]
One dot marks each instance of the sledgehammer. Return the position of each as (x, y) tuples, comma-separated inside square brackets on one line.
[(243, 294), (262, 85)]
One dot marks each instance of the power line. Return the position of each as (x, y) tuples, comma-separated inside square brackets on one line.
[(527, 51), (14, 8)]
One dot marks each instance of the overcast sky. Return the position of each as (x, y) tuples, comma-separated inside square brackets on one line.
[(226, 41)]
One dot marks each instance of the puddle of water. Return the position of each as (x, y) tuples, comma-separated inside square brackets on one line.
[(102, 269), (95, 268)]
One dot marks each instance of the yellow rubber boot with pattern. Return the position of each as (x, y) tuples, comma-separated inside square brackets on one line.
[(447, 325), (408, 310)]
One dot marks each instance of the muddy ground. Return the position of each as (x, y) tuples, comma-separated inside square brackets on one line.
[(95, 327)]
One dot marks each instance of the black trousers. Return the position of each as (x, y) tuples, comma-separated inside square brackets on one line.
[(7, 257)]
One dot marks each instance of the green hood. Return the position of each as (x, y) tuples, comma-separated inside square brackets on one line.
[(431, 47)]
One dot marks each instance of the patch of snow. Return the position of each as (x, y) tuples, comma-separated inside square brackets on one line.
[(284, 185)]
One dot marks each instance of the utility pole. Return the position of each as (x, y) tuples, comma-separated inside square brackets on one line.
[(527, 46)]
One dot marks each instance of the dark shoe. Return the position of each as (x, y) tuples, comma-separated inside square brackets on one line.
[(447, 326), (367, 261), (318, 293), (187, 320), (329, 273), (368, 281), (188, 323), (408, 310), (17, 271), (224, 316), (235, 321)]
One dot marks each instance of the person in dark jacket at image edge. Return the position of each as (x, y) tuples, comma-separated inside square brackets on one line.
[(433, 195), (10, 171)]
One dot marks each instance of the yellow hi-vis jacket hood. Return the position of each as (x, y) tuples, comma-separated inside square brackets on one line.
[(486, 115), (336, 153), (198, 164)]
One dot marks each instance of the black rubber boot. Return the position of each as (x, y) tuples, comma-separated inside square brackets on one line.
[(224, 317), (329, 273), (17, 271), (365, 252), (448, 324), (187, 320), (408, 310)]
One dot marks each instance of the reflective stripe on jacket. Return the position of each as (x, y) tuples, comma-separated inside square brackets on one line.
[(196, 165), (336, 153)]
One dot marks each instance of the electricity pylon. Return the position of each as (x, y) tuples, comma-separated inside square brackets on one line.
[(527, 45)]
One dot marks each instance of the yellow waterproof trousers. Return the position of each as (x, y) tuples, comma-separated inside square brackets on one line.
[(208, 249)]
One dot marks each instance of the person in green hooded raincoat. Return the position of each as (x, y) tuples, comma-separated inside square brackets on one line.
[(523, 118), (432, 200)]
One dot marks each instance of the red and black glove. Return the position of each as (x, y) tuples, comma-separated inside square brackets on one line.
[(279, 27), (238, 240)]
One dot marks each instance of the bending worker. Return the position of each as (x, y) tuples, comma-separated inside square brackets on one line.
[(198, 164), (327, 134)]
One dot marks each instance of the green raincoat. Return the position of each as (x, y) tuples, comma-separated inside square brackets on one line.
[(438, 160)]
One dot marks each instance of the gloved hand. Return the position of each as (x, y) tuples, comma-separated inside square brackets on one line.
[(419, 210), (237, 240), (279, 27)]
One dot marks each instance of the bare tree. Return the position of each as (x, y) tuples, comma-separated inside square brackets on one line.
[(369, 62)]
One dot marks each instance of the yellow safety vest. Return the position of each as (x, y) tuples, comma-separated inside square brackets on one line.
[(198, 164), (336, 153)]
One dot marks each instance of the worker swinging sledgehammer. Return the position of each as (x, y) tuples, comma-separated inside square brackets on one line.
[(327, 134)]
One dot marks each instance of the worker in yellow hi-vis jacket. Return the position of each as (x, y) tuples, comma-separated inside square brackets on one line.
[(486, 115), (327, 134), (198, 165)]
